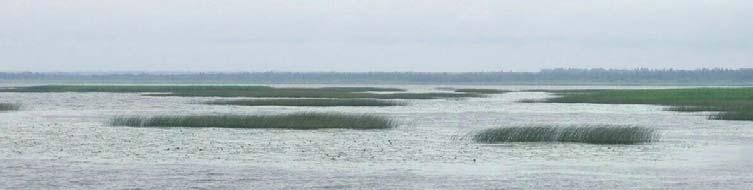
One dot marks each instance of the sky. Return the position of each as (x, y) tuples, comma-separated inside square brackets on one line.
[(379, 35)]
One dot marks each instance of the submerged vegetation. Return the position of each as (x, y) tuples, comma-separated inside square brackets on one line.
[(733, 103), (307, 102), (481, 91), (290, 121), (603, 134), (247, 91), (9, 107)]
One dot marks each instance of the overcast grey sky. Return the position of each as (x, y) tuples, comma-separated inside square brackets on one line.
[(379, 35)]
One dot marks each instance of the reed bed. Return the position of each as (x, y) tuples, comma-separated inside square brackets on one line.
[(601, 134), (692, 108), (308, 102), (363, 89), (732, 103), (445, 88), (481, 91), (530, 101), (302, 121), (9, 107)]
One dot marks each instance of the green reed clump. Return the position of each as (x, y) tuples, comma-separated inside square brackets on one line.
[(363, 89), (307, 102), (481, 91), (289, 121), (445, 88), (9, 107), (733, 103), (733, 115), (530, 101), (601, 134), (431, 95), (692, 108)]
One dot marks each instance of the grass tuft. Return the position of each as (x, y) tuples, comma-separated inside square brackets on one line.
[(602, 134), (445, 88), (363, 89), (9, 107), (692, 108), (530, 101), (307, 102), (290, 121)]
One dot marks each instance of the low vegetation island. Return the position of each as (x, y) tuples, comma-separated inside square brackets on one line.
[(602, 134), (731, 103), (307, 102), (9, 107), (289, 121), (481, 91)]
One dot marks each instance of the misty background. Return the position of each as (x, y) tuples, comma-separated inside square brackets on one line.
[(361, 36)]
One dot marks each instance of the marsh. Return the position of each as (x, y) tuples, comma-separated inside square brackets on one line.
[(69, 135)]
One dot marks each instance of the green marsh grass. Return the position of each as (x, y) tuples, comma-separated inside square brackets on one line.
[(601, 134), (481, 91), (307, 102), (247, 91), (363, 89), (9, 107), (530, 101), (290, 121), (445, 88), (732, 103)]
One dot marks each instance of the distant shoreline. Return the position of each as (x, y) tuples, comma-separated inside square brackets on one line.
[(596, 77)]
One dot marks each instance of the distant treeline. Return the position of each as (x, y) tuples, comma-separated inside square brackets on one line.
[(543, 77)]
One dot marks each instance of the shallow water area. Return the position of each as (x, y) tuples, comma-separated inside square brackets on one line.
[(62, 141)]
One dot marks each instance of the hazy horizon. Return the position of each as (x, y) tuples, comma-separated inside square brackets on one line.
[(345, 72), (372, 36)]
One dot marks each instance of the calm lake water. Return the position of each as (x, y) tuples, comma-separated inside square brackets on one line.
[(62, 141)]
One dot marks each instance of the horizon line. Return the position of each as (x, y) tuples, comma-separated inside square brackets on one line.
[(282, 71)]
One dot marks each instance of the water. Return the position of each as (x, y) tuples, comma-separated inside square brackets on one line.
[(62, 141)]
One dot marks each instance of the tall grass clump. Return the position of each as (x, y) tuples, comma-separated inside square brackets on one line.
[(289, 121), (481, 91), (733, 115), (732, 103), (307, 102), (9, 107), (363, 89), (530, 101), (603, 134)]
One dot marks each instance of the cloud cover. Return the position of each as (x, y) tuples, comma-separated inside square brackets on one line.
[(387, 35)]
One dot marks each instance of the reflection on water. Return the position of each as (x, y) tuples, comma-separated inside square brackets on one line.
[(60, 140)]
